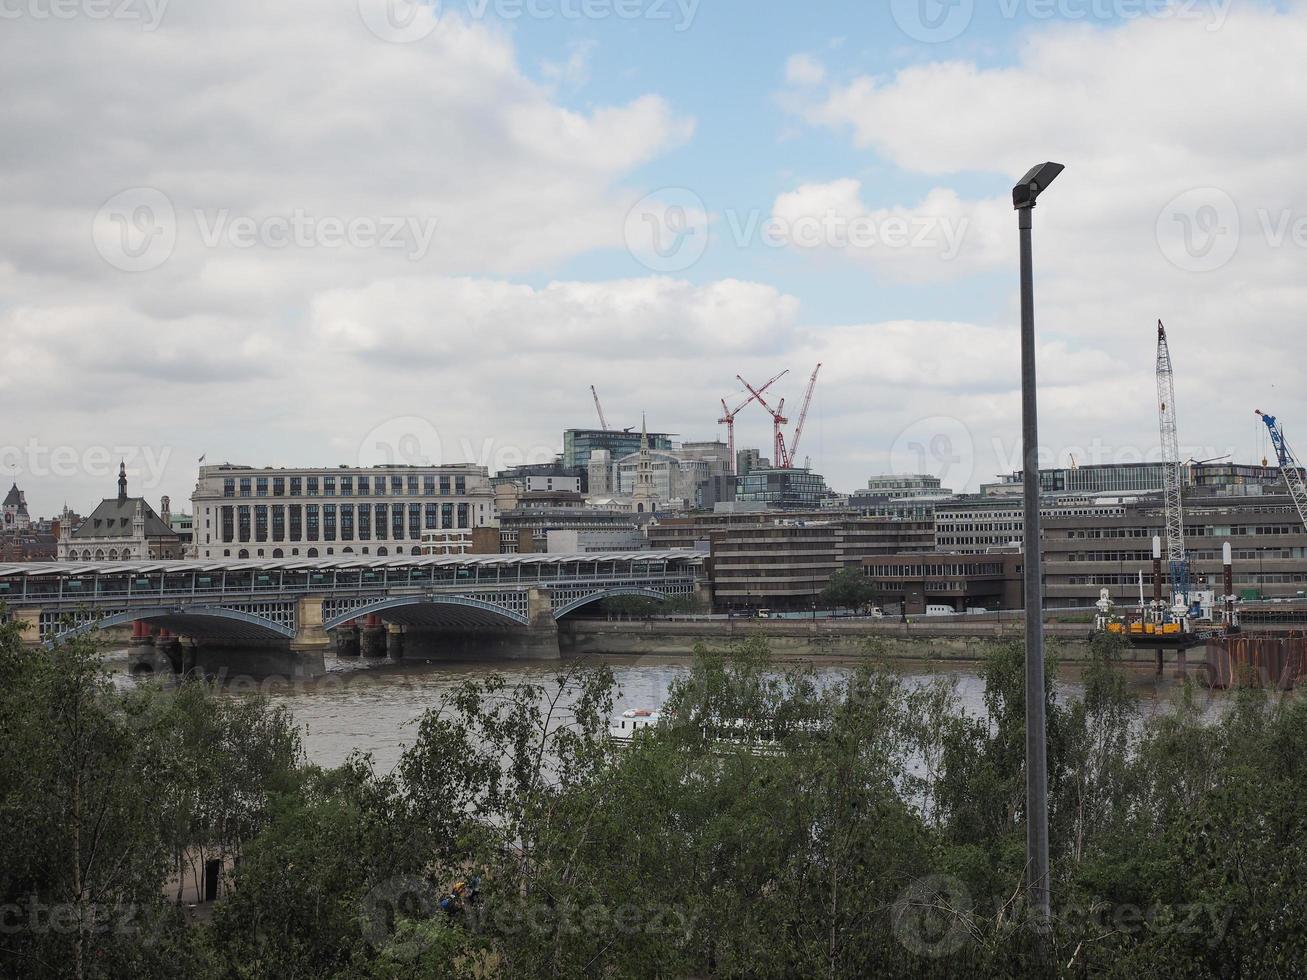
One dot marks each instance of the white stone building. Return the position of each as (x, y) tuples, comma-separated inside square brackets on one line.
[(246, 512)]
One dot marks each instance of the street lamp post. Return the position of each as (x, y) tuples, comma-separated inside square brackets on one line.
[(1024, 195)]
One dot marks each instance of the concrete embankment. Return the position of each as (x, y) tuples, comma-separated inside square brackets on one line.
[(810, 638)]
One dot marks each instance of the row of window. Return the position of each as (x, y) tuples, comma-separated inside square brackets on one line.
[(364, 486), (918, 571), (382, 552), (330, 522)]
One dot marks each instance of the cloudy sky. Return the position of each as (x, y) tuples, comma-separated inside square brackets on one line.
[(335, 231)]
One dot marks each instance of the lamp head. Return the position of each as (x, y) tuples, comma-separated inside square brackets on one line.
[(1033, 184)]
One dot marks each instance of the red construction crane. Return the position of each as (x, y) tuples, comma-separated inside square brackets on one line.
[(803, 417), (778, 419), (728, 416)]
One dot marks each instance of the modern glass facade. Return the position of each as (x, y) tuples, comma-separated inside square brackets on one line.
[(578, 444), (781, 489)]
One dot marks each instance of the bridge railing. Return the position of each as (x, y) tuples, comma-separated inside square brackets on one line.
[(53, 590)]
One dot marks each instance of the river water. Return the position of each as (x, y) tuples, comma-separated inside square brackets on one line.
[(374, 706)]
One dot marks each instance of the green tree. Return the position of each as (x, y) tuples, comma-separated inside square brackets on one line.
[(848, 588)]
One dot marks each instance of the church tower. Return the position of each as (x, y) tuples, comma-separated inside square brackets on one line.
[(644, 495)]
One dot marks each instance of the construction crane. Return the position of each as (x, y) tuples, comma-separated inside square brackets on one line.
[(603, 422), (803, 417), (1288, 465), (1177, 559), (778, 419), (728, 415)]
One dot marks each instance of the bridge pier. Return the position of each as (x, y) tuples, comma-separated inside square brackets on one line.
[(310, 637), (395, 641), (347, 641), (372, 642)]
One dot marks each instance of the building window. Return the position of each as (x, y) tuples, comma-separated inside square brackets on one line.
[(432, 517), (261, 487), (328, 522), (415, 520), (396, 486), (460, 485), (245, 486), (261, 522), (228, 524), (429, 486), (446, 515), (296, 486), (347, 486), (397, 522), (464, 520), (279, 486), (279, 523), (329, 486), (311, 523), (312, 485), (229, 487), (364, 486), (444, 486), (380, 512), (365, 523), (347, 522), (296, 522), (243, 522)]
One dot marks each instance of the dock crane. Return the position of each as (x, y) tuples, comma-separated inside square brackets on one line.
[(1288, 465), (603, 422), (728, 416), (1176, 557)]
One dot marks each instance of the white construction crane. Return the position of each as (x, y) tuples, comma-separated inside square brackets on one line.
[(1177, 559), (603, 422)]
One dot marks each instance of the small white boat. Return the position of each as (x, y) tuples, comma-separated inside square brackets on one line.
[(631, 721)]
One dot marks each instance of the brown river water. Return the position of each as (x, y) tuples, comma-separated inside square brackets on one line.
[(374, 706)]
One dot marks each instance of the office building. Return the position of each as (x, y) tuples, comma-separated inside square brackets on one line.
[(244, 512)]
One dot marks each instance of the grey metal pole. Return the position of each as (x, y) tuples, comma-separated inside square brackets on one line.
[(1037, 875)]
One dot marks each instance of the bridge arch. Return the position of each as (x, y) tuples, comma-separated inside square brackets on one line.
[(432, 610), (572, 605), (189, 621)]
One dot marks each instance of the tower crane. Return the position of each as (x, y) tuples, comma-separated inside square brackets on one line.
[(778, 419), (728, 415), (603, 422), (1177, 559), (1288, 465), (803, 417)]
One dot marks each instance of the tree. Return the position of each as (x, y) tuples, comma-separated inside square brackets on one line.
[(848, 588)]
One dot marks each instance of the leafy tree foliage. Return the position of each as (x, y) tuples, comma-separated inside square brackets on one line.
[(777, 822)]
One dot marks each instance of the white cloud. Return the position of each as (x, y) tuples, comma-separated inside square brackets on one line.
[(804, 69), (1180, 151)]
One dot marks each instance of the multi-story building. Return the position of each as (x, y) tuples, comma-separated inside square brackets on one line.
[(911, 584), (897, 485), (780, 488), (526, 530), (762, 560), (248, 512), (1104, 478), (578, 444), (1112, 548)]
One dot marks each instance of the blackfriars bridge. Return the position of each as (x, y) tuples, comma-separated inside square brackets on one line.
[(457, 605)]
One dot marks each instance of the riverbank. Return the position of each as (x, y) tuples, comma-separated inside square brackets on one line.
[(821, 637)]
